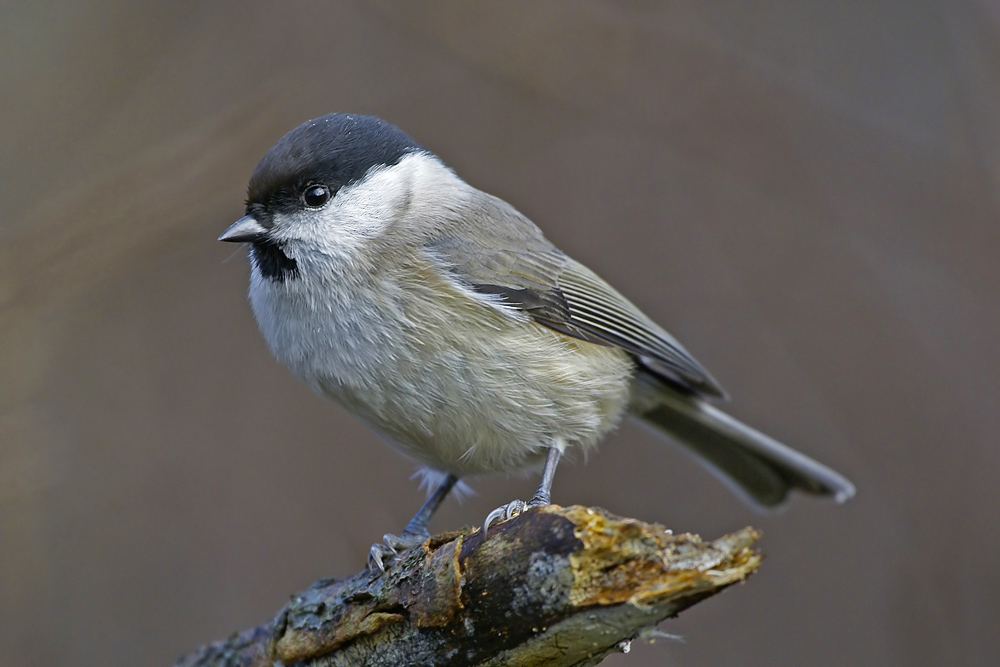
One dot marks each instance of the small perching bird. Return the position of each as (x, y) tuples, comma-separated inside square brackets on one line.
[(446, 321)]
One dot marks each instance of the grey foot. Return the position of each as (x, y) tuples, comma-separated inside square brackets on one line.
[(383, 553), (543, 496), (511, 510)]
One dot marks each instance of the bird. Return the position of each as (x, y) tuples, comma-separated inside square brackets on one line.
[(446, 321)]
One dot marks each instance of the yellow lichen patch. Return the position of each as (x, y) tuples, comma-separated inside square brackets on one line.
[(624, 560), (374, 622)]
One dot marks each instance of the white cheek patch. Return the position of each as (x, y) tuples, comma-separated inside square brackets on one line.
[(419, 188), (356, 214), (367, 208)]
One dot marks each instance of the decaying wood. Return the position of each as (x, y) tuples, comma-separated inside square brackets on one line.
[(554, 586)]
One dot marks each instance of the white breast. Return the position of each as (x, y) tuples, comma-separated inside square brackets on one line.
[(453, 383)]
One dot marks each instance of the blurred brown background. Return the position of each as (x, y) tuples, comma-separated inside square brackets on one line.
[(804, 192)]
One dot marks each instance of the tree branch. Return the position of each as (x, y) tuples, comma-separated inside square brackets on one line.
[(554, 586)]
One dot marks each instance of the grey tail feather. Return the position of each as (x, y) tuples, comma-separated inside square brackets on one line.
[(761, 468)]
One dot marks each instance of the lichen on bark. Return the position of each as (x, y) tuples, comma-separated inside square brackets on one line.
[(554, 586)]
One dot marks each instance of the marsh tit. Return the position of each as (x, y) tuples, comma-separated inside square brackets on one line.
[(446, 321)]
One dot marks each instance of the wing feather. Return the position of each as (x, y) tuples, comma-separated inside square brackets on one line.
[(513, 259)]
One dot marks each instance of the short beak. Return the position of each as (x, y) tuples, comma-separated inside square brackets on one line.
[(244, 230)]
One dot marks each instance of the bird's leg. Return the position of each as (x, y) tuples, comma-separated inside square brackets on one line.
[(418, 524), (415, 531), (543, 496)]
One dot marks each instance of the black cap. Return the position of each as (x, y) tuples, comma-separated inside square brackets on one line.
[(335, 150)]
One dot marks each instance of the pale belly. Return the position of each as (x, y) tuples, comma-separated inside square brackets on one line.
[(473, 391), (495, 411)]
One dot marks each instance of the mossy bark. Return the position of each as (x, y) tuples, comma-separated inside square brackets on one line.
[(554, 586)]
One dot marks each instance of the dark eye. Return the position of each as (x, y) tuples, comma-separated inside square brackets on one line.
[(316, 195)]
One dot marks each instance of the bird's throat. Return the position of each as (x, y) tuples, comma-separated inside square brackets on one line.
[(272, 262)]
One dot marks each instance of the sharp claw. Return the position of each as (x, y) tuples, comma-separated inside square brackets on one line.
[(495, 515), (391, 546), (503, 513), (392, 541), (376, 555), (375, 559), (400, 543), (515, 507)]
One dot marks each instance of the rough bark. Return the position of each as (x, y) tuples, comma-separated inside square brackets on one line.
[(554, 586)]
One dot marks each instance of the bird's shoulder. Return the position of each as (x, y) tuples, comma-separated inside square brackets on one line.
[(490, 246)]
